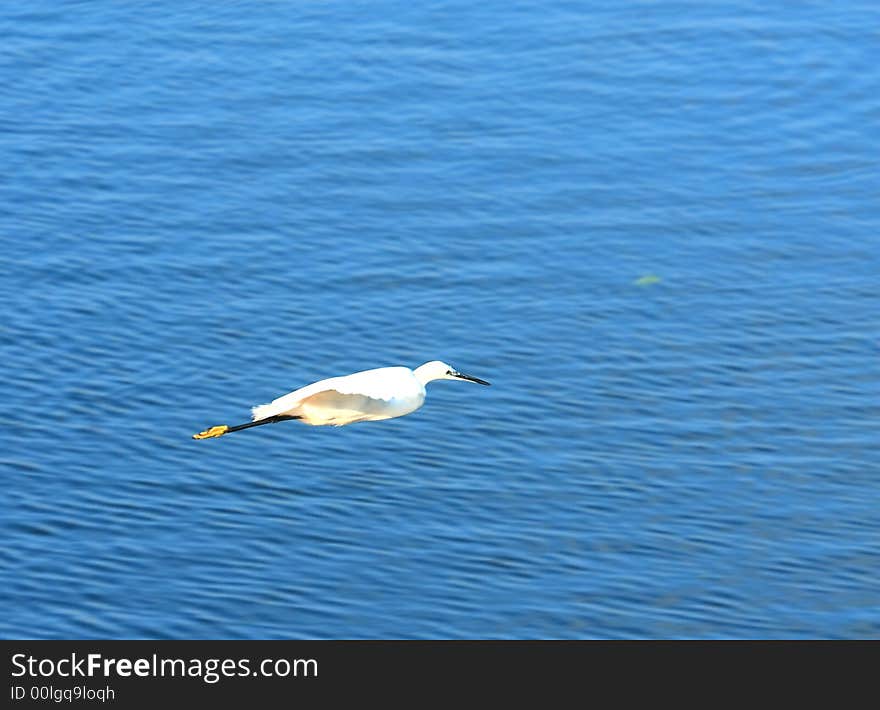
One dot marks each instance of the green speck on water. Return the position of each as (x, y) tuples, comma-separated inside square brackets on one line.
[(648, 280)]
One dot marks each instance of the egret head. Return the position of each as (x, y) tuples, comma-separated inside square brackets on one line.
[(437, 370)]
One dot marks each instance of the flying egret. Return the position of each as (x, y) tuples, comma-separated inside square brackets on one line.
[(371, 395)]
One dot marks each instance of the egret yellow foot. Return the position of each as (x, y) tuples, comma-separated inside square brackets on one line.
[(212, 432)]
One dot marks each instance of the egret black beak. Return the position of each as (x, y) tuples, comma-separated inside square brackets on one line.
[(469, 378)]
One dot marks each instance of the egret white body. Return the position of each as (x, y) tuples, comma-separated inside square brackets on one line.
[(371, 395)]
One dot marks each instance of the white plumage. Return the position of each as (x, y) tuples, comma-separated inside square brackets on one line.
[(370, 395), (382, 393)]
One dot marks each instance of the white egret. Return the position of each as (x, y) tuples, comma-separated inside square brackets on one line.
[(371, 395)]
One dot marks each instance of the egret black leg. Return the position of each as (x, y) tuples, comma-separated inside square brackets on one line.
[(260, 422), (216, 431)]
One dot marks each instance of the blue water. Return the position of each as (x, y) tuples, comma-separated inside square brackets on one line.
[(655, 227)]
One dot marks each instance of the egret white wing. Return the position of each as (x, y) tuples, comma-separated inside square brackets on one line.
[(368, 393), (382, 383), (290, 401)]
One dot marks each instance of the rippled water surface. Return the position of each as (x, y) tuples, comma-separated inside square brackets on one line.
[(653, 226)]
